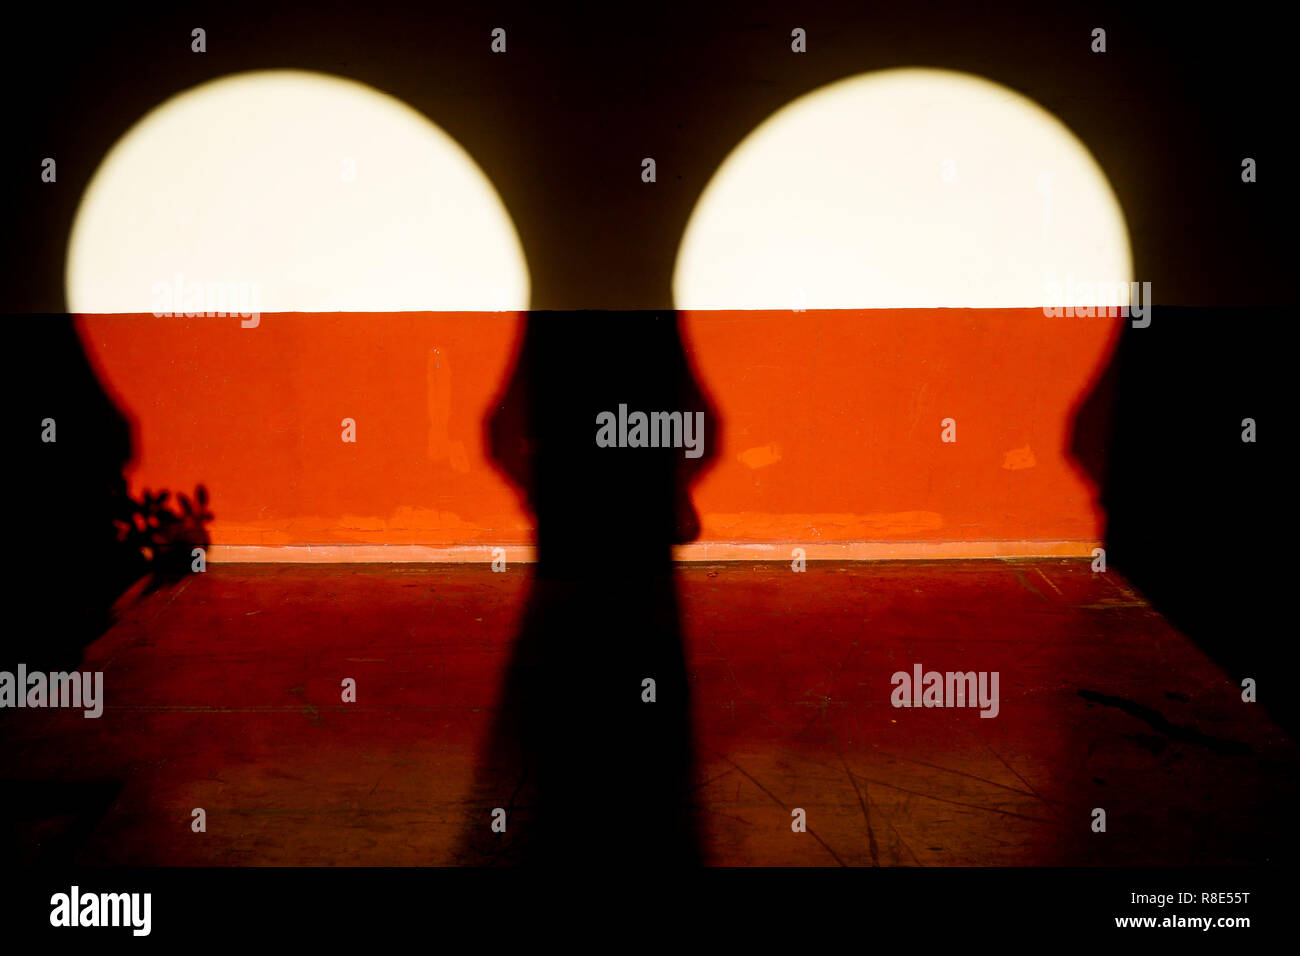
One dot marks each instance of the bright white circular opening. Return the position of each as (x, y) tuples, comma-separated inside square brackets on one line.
[(321, 193), (906, 188)]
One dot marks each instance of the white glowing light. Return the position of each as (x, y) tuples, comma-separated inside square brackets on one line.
[(906, 188), (321, 193)]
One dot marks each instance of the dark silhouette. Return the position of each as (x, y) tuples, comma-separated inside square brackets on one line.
[(66, 496), (1192, 510), (84, 539), (587, 770), (81, 542)]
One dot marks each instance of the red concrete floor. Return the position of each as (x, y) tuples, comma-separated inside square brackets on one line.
[(223, 692)]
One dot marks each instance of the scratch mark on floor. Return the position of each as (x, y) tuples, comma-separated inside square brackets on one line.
[(1047, 803), (866, 814), (1020, 576), (960, 773), (906, 846), (927, 796), (960, 803), (1040, 573), (781, 803)]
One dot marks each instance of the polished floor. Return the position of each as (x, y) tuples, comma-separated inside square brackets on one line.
[(225, 692)]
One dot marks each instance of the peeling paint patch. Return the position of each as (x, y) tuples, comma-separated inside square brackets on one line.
[(442, 447), (1018, 458), (760, 456)]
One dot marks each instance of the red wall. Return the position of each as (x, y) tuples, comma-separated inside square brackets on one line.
[(831, 426)]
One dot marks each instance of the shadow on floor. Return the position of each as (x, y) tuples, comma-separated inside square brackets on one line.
[(587, 768), (1194, 513)]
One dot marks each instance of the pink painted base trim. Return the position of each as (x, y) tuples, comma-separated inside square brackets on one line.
[(697, 551)]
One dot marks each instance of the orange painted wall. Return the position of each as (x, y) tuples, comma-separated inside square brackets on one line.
[(833, 427), (831, 424), (256, 415)]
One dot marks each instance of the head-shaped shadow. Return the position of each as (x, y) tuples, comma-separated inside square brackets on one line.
[(1163, 434), (84, 538), (81, 540), (589, 768)]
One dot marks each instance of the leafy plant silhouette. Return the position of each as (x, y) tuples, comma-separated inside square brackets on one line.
[(157, 537)]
